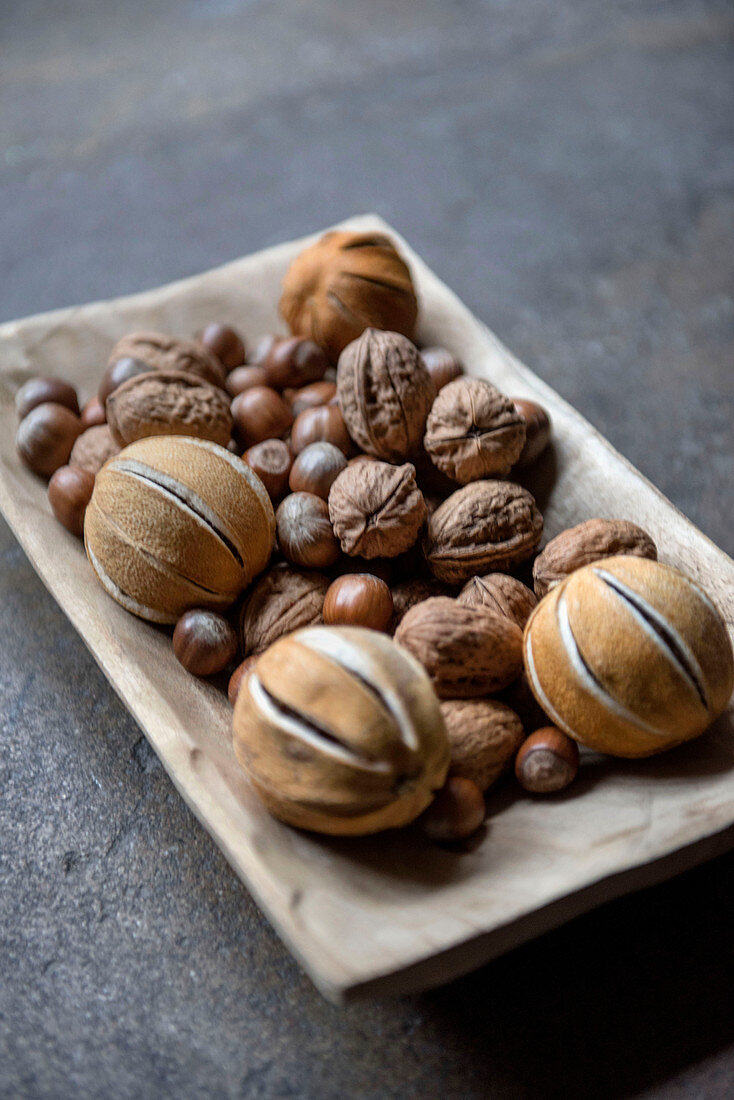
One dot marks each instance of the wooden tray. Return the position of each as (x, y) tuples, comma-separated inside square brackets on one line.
[(391, 913)]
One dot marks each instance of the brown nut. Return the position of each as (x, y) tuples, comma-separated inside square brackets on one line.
[(473, 431), (442, 366), (235, 680), (456, 812), (548, 761), (245, 378), (271, 460), (484, 735), (93, 414), (311, 397), (69, 493), (45, 437), (162, 352), (305, 535), (294, 362), (316, 468), (119, 371), (467, 651), (42, 391), (176, 523), (482, 527), (385, 394), (377, 510), (345, 283), (322, 424), (501, 593), (225, 343), (358, 599), (339, 732), (168, 403), (408, 593), (92, 449), (629, 657), (263, 346), (260, 413), (283, 600), (587, 542), (537, 429), (204, 642)]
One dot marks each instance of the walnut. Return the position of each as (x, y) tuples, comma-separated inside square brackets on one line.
[(164, 402), (485, 526), (162, 352), (473, 431), (467, 651), (345, 282), (484, 737), (408, 593), (501, 593), (283, 600), (385, 394), (92, 449), (376, 509), (590, 541)]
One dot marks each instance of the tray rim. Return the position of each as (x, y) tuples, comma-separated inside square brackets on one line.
[(475, 949)]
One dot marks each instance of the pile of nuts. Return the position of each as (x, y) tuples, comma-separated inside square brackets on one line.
[(395, 481)]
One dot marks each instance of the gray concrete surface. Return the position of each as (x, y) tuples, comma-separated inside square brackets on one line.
[(569, 169)]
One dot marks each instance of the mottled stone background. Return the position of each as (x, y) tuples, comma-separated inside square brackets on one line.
[(568, 168)]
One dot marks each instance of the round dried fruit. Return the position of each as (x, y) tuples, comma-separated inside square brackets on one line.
[(467, 651), (485, 526), (587, 542), (473, 431), (175, 523), (346, 281), (385, 394), (339, 732), (376, 509), (629, 656), (484, 736), (283, 600), (502, 593)]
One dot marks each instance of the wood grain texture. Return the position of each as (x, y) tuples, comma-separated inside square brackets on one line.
[(388, 913)]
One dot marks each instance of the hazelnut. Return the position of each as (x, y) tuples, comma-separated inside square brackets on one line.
[(358, 599), (271, 460), (45, 437), (442, 366), (310, 397), (69, 492), (244, 378), (547, 761), (324, 423), (316, 468), (93, 413), (41, 391), (537, 429), (235, 680), (305, 535), (260, 413), (226, 343), (294, 362), (263, 347), (204, 642), (118, 372), (456, 812)]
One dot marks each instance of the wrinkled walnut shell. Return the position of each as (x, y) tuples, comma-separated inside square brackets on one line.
[(283, 600), (385, 394), (484, 737), (587, 542), (501, 593), (473, 431), (376, 509), (467, 651), (92, 449), (484, 527), (163, 352), (168, 403), (345, 283)]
